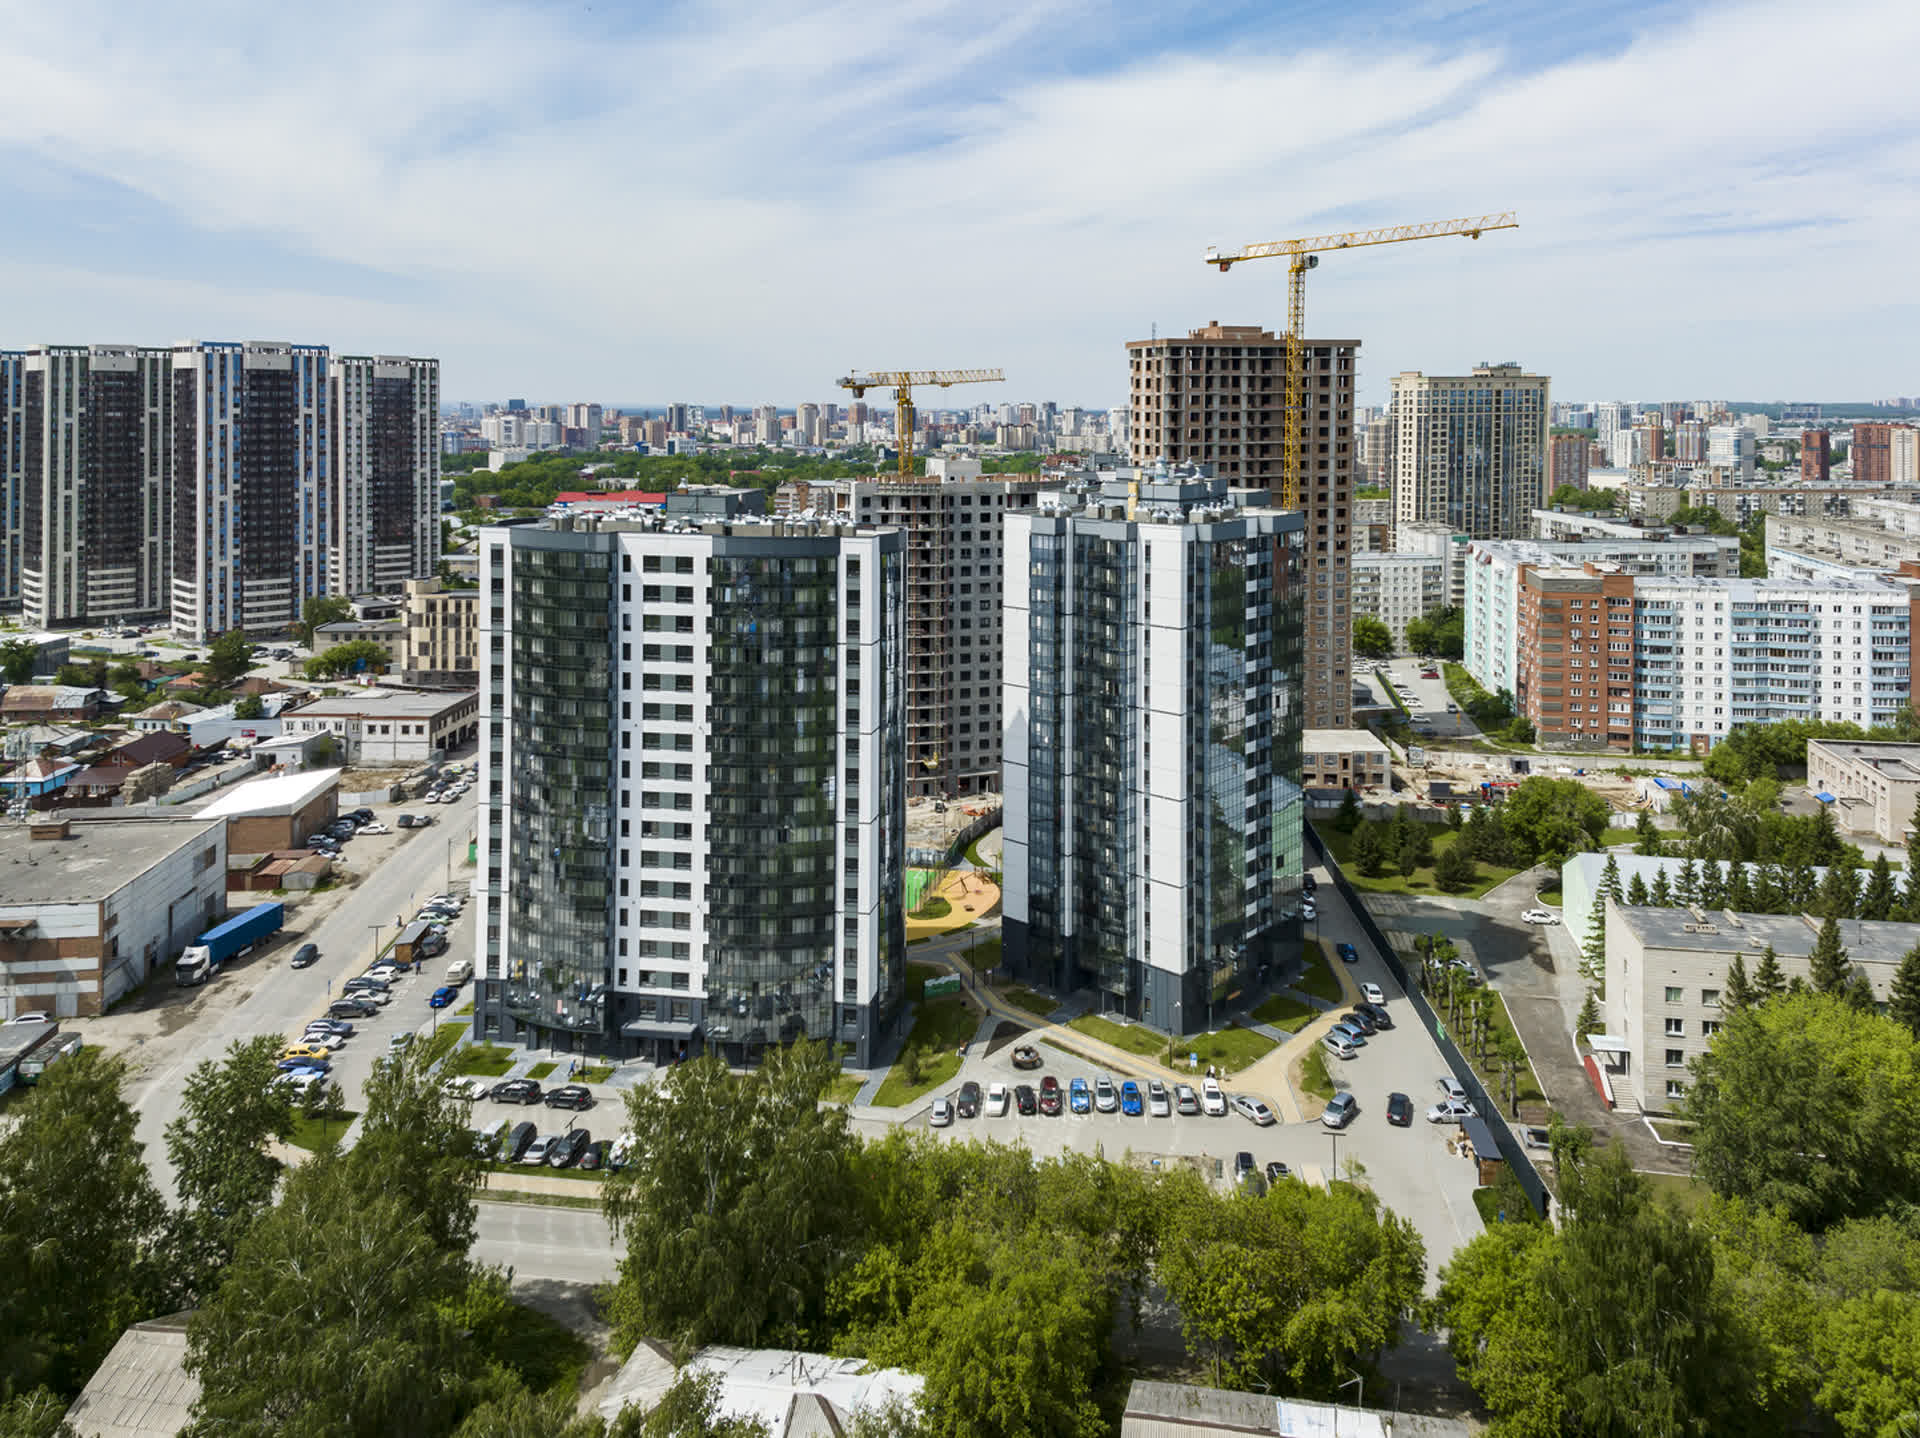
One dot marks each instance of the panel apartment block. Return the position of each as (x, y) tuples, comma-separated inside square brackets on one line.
[(385, 472), (251, 502), (94, 434), (13, 375), (1218, 397), (1470, 451), (1153, 803), (953, 578), (694, 794)]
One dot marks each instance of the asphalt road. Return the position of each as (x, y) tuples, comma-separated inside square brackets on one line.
[(277, 999), (572, 1245)]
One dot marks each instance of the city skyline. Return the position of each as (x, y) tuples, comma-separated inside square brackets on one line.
[(891, 188)]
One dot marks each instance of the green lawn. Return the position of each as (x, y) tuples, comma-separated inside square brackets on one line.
[(465, 1008), (1552, 898), (1320, 979), (1687, 1192), (484, 1060), (1026, 999), (441, 1044), (311, 1133), (1672, 1130), (540, 1071), (595, 1073), (1281, 1012), (1314, 1077), (841, 1088), (1505, 1197), (539, 1200), (593, 1175), (1232, 1049), (917, 976), (1610, 837), (934, 908), (983, 955), (939, 1029), (546, 1355), (1391, 881), (1526, 1085), (1131, 1037)]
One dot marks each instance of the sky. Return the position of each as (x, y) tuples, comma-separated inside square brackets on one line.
[(742, 200)]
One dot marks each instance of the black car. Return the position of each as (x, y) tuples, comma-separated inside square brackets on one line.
[(305, 955), (565, 1152), (1381, 1018), (1308, 884), (571, 1095), (1243, 1164), (1362, 1021), (1277, 1170), (361, 816), (366, 984), (1024, 1099), (1399, 1110), (352, 1008), (518, 1138), (520, 1090), (967, 1105)]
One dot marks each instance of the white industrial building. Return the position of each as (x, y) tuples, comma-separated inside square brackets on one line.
[(91, 906), (694, 798), (390, 726)]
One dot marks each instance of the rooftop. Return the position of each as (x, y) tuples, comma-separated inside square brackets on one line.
[(1162, 1408), (278, 794), (1792, 936), (1341, 741), (386, 704), (1895, 761), (142, 1389), (100, 857), (793, 1393)]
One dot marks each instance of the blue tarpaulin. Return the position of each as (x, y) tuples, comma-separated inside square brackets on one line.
[(1824, 797)]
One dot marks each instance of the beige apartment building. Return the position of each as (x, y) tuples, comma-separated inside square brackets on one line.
[(1470, 451), (1873, 787), (442, 635), (1217, 396)]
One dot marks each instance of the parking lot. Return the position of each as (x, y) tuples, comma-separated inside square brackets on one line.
[(1427, 699)]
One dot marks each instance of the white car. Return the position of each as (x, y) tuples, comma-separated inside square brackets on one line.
[(1452, 1111), (1541, 916), (322, 1039), (375, 828), (1308, 911), (1212, 1101), (1372, 994), (941, 1114), (996, 1100), (466, 1089), (1452, 1087)]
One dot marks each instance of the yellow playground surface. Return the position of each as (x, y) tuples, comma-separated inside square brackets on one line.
[(969, 895)]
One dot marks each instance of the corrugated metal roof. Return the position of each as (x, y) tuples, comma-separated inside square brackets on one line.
[(143, 1389)]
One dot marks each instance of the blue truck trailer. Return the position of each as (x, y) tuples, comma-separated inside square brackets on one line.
[(204, 956)]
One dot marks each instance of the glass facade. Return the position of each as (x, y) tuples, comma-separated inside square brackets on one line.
[(557, 972), (1106, 734), (1044, 951)]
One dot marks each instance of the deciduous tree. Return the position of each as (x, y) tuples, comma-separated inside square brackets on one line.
[(1371, 637), (229, 657), (321, 609), (1646, 834), (1551, 819)]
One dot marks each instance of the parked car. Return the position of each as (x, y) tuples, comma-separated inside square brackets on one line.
[(941, 1114), (442, 997), (996, 1100), (1399, 1110), (1347, 952), (1339, 1046), (1025, 1101), (464, 1089), (967, 1104), (304, 1051), (1451, 1111), (323, 1039), (1452, 1087), (404, 821), (314, 1061), (1106, 1098), (1050, 1102), (520, 1090), (1159, 1105), (371, 982), (1026, 1056), (1534, 1137), (573, 1096), (1351, 1032), (1185, 1100), (1372, 994), (352, 1008), (1213, 1101), (566, 1150), (1131, 1103), (305, 956), (1277, 1170), (1309, 910), (1243, 1165), (1309, 884), (538, 1150), (1079, 1096), (514, 1145), (342, 1027), (1340, 1110), (595, 1156), (1358, 1018), (1254, 1110), (375, 828), (387, 970), (1540, 916), (1381, 1018)]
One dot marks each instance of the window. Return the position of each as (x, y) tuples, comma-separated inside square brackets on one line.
[(1676, 1058), (1710, 998), (1676, 1089), (1676, 1028), (1709, 1027), (1673, 994)]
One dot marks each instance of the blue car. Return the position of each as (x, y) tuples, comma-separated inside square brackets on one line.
[(305, 1068), (442, 997), (1079, 1096), (1348, 952), (1130, 1102)]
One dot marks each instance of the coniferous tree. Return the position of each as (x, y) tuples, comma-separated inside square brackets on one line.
[(1858, 993), (1646, 834), (1802, 885), (1739, 892), (1348, 819), (1827, 966), (1766, 890), (1768, 982), (1589, 1020), (1737, 993), (1369, 849), (1877, 900), (1913, 826), (1903, 1004), (1687, 886), (1610, 878), (1637, 892), (1713, 888), (1660, 891), (1838, 897)]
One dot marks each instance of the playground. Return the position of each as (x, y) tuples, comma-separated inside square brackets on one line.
[(949, 899)]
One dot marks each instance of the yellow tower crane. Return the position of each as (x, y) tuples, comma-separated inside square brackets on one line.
[(902, 382), (1303, 255)]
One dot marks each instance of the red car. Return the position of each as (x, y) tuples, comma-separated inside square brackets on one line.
[(1050, 1095), (1429, 673)]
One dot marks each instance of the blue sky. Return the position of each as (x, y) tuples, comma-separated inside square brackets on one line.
[(740, 201)]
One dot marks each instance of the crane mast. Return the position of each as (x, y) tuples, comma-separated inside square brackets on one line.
[(902, 383)]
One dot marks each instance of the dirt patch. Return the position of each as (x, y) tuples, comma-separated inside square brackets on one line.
[(1311, 1105)]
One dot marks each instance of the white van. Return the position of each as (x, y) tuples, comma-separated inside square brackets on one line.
[(459, 971)]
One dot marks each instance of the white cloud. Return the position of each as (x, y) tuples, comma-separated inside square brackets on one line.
[(737, 204)]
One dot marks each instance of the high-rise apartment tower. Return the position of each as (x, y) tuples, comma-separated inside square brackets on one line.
[(1470, 451), (1218, 397), (385, 472)]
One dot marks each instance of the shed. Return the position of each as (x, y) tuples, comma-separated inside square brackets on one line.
[(1486, 1149), (142, 1389)]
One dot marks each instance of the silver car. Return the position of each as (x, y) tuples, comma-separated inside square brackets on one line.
[(1106, 1098)]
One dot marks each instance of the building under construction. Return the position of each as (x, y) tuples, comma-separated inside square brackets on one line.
[(952, 520)]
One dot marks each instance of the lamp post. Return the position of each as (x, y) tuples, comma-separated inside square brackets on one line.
[(376, 938)]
